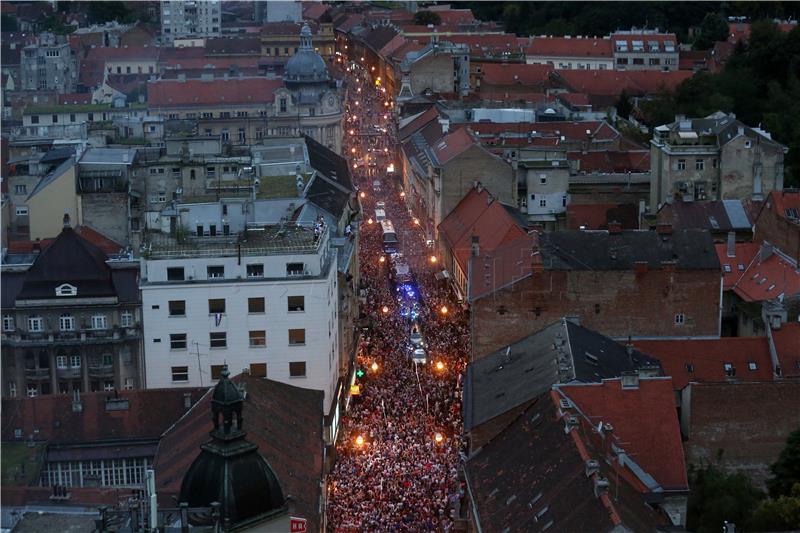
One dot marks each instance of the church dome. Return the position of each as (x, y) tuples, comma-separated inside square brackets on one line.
[(306, 66), (229, 469)]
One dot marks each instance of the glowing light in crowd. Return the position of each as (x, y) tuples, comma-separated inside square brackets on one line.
[(374, 367), (369, 221), (402, 194), (386, 150), (362, 194), (390, 169), (359, 441), (444, 310), (382, 260), (385, 309), (433, 259), (352, 150), (416, 222), (439, 366), (352, 132), (438, 438)]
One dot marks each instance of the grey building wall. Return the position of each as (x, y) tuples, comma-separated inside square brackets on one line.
[(49, 65), (107, 212)]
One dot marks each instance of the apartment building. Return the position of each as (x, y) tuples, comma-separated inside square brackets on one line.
[(713, 158), (71, 316), (645, 50), (182, 18), (567, 53), (263, 301), (49, 64)]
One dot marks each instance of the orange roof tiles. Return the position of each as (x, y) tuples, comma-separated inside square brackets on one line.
[(240, 91), (514, 74), (453, 144), (129, 53), (786, 203), (612, 82), (704, 360), (769, 275), (787, 346), (644, 420), (570, 47), (733, 267)]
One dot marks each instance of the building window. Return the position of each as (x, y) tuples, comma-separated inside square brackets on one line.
[(108, 359), (752, 365), (283, 105), (215, 272), (75, 361), (21, 211), (564, 201), (61, 362), (20, 189), (211, 172), (748, 144), (175, 274), (108, 386), (180, 373), (699, 164), (542, 179), (258, 338), (218, 339), (714, 163), (99, 322), (297, 369), (35, 324), (34, 119), (8, 323), (295, 269), (543, 203), (258, 370), (297, 337), (128, 384), (681, 164), (66, 322), (679, 319), (730, 370), (241, 135), (33, 391), (177, 308), (66, 290), (226, 136), (255, 305), (177, 341), (216, 305), (126, 319), (255, 270), (216, 371), (297, 304)]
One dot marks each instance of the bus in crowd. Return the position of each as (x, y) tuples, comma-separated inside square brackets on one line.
[(390, 242)]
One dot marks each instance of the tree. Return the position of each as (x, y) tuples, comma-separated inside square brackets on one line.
[(717, 496), (624, 106), (786, 470), (782, 514), (423, 18), (100, 12), (713, 28)]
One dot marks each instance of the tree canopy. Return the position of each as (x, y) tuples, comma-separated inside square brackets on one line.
[(423, 18)]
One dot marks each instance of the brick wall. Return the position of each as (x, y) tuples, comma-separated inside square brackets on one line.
[(772, 227), (614, 303)]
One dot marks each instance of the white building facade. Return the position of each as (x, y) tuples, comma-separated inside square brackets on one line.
[(265, 304), (190, 18)]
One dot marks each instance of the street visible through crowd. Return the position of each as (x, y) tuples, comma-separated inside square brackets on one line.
[(399, 444)]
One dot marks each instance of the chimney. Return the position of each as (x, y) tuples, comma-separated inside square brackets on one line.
[(731, 244), (537, 265), (592, 467), (614, 227), (181, 77), (664, 229), (66, 221), (476, 247), (600, 487), (187, 400)]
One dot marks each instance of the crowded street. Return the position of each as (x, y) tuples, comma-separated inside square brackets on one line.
[(399, 446)]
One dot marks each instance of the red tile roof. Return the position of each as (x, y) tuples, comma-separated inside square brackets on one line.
[(453, 17), (240, 91), (107, 245), (314, 10), (644, 420), (612, 82), (75, 98), (150, 412), (514, 74), (570, 47), (769, 275), (129, 53), (574, 99), (612, 161), (533, 97), (734, 267), (660, 38), (784, 201), (597, 216), (787, 346), (284, 421), (707, 358), (424, 118), (453, 144)]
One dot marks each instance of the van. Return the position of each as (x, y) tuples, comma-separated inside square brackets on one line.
[(380, 214)]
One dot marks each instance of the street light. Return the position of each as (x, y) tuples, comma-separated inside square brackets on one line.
[(352, 150), (382, 260), (359, 441), (416, 222), (385, 309), (439, 366), (438, 438), (402, 194), (362, 194), (433, 259), (374, 367), (369, 221), (444, 310)]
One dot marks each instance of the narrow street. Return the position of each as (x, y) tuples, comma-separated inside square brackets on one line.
[(399, 445)]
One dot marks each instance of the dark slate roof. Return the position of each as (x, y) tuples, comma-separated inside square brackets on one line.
[(150, 412), (379, 37), (10, 285), (284, 421), (599, 250), (69, 259), (126, 283), (531, 477), (331, 164), (55, 174), (328, 196), (58, 155), (560, 353), (714, 215)]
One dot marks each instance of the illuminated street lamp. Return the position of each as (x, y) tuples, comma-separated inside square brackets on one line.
[(369, 221), (444, 310), (382, 260), (402, 194), (362, 194), (433, 259), (359, 441), (352, 150), (416, 222), (385, 309), (352, 132), (439, 366), (374, 367), (438, 438)]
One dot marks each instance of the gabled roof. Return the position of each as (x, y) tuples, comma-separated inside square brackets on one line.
[(560, 353), (659, 39), (704, 360), (601, 250), (514, 74), (331, 164), (107, 245), (53, 176), (786, 205), (644, 420), (531, 477), (235, 45), (713, 215), (410, 125), (611, 161), (75, 98), (238, 91), (124, 53), (570, 47), (612, 82), (284, 421), (597, 216), (51, 417), (770, 274), (734, 267), (452, 145)]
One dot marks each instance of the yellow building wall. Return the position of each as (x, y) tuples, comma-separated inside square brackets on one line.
[(47, 208)]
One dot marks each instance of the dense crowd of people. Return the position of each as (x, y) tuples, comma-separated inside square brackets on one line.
[(399, 445)]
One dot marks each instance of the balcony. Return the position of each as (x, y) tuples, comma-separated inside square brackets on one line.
[(68, 338), (37, 373), (68, 373), (101, 371)]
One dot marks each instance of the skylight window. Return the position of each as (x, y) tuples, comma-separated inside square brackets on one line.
[(727, 268), (638, 46), (622, 46)]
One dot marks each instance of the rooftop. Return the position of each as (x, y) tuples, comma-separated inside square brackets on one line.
[(770, 274), (276, 239)]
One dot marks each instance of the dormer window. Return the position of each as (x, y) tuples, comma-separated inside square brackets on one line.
[(66, 290)]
